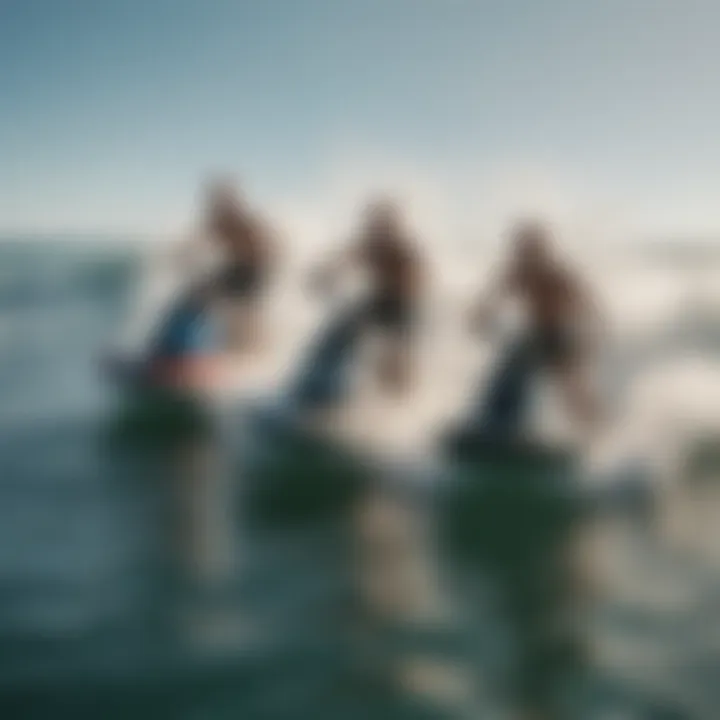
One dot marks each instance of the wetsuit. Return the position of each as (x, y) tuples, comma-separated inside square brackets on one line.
[(188, 331), (392, 303), (242, 280)]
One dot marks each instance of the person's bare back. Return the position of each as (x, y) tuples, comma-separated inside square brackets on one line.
[(549, 294)]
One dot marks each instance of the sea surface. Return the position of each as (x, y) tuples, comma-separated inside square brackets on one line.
[(213, 572)]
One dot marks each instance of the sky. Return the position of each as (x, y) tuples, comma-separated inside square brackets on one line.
[(607, 113)]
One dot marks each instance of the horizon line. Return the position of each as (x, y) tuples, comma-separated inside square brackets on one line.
[(654, 241)]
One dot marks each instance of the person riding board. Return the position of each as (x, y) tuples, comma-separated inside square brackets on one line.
[(390, 259), (559, 309)]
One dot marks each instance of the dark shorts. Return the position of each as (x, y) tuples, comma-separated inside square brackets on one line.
[(241, 282), (392, 314), (556, 346)]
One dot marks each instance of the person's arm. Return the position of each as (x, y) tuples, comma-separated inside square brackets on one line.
[(188, 254), (588, 311), (323, 275), (416, 277), (271, 249), (264, 243)]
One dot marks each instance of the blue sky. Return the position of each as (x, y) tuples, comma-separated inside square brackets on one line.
[(112, 111)]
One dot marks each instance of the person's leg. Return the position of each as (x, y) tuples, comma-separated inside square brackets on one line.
[(246, 326), (396, 366), (579, 395), (395, 318), (565, 355), (243, 288)]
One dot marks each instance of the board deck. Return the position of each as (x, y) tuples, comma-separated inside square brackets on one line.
[(466, 444)]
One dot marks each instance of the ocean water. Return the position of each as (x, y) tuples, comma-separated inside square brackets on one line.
[(218, 574)]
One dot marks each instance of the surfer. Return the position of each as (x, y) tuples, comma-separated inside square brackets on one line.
[(389, 258), (247, 257), (186, 350), (558, 308)]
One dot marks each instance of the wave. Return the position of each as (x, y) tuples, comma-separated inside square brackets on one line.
[(37, 274)]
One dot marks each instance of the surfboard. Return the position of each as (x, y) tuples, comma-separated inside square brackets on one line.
[(296, 469), (474, 457), (148, 413), (466, 443)]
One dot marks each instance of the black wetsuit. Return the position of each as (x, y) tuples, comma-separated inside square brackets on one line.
[(391, 313), (555, 345), (391, 307), (242, 280)]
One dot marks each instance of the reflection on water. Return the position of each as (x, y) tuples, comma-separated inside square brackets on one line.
[(191, 577)]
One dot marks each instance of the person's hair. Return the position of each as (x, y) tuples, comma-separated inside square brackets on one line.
[(383, 213), (222, 192), (530, 228), (382, 206)]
